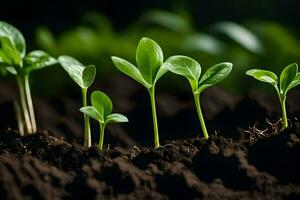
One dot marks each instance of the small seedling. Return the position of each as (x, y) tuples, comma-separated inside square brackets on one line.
[(289, 78), (101, 110), (13, 59), (191, 69), (84, 76), (149, 58)]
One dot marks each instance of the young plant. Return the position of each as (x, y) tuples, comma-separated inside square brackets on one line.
[(289, 78), (149, 59), (101, 110), (191, 69), (84, 76), (13, 59)]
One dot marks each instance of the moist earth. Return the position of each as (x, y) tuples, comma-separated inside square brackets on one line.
[(246, 157)]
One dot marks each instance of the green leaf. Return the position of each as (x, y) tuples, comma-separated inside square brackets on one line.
[(184, 66), (149, 58), (214, 75), (7, 30), (88, 75), (264, 76), (130, 70), (161, 71), (287, 76), (92, 112), (295, 82), (116, 118), (37, 60), (102, 103), (77, 71), (8, 52)]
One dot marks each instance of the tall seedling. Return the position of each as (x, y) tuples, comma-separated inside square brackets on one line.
[(191, 69), (84, 76), (13, 59), (149, 59), (289, 78)]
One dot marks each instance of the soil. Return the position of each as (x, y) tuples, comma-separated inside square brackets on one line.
[(246, 157)]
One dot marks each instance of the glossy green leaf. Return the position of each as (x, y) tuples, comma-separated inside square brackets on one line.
[(184, 66), (36, 60), (130, 70), (102, 103), (8, 52), (287, 76), (7, 30), (92, 112), (295, 82), (264, 76), (214, 75), (82, 75), (149, 58), (88, 75), (116, 118)]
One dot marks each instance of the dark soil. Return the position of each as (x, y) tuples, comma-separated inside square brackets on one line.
[(246, 156)]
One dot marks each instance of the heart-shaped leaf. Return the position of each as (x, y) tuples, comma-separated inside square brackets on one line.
[(130, 70), (214, 75), (7, 30), (37, 60), (184, 66), (264, 76), (287, 76), (116, 118), (149, 58), (92, 112), (82, 75), (102, 103)]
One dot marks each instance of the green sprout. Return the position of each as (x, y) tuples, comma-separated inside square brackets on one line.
[(149, 58), (13, 59), (101, 110), (191, 69), (84, 76), (289, 78)]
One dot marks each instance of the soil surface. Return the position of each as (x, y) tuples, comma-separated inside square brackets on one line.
[(246, 157)]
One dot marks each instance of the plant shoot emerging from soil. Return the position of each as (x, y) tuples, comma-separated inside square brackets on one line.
[(84, 76), (101, 110), (13, 59), (191, 69), (289, 78), (149, 59)]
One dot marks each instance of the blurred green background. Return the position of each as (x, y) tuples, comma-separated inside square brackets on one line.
[(250, 34)]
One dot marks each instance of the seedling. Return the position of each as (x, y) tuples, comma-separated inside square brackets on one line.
[(191, 69), (101, 110), (84, 76), (13, 59), (149, 58), (289, 78)]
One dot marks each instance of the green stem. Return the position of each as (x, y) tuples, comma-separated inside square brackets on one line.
[(283, 109), (200, 115), (87, 128), (154, 117), (29, 103), (101, 139), (23, 103)]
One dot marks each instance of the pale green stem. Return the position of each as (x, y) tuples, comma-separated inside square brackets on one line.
[(29, 103), (283, 109), (200, 115), (154, 117), (87, 128), (23, 103), (101, 138)]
